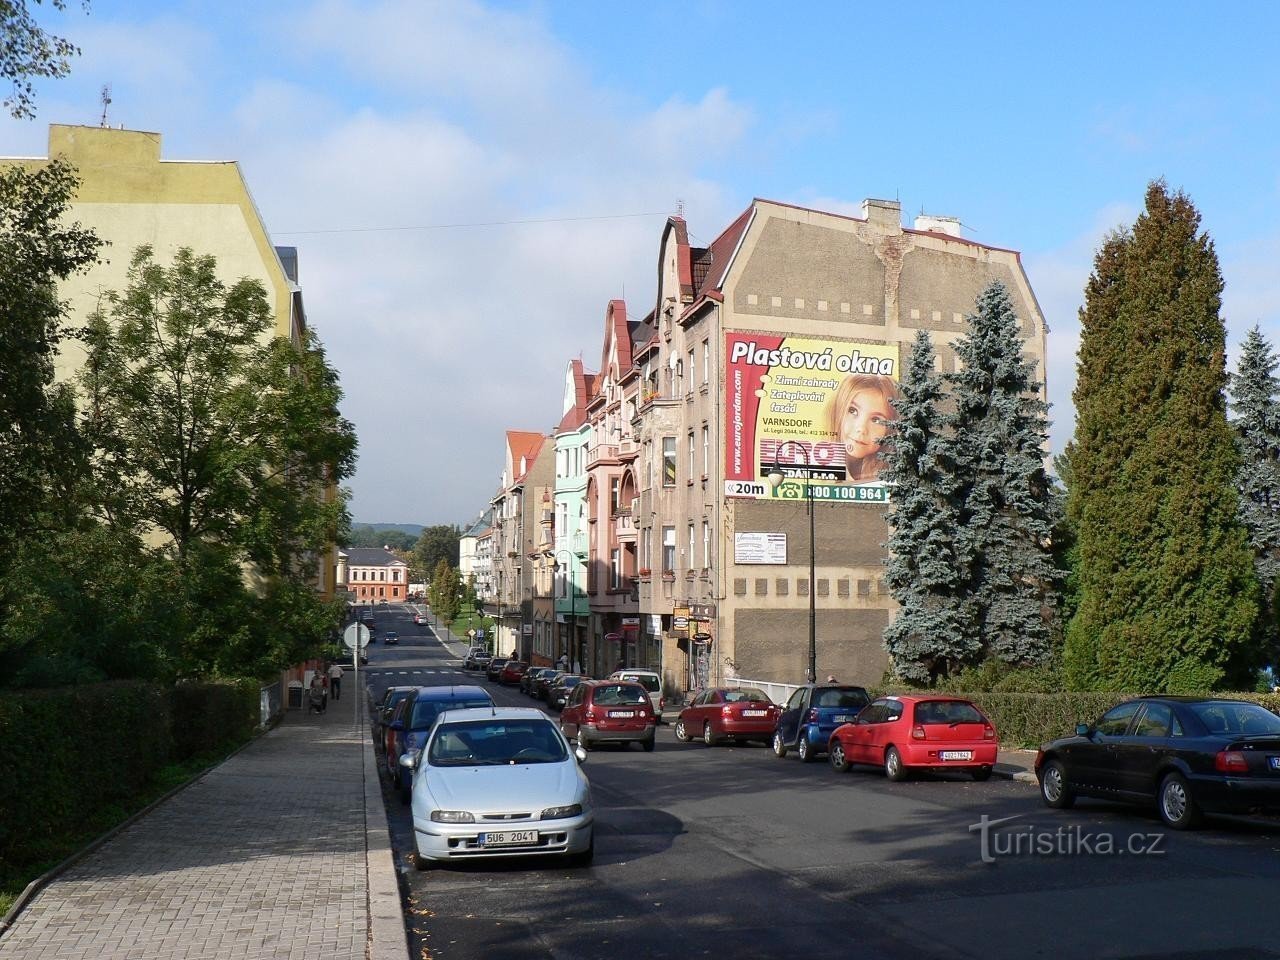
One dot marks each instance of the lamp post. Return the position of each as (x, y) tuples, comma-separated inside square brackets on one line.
[(573, 606), (775, 478)]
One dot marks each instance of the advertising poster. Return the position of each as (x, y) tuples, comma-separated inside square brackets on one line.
[(805, 406)]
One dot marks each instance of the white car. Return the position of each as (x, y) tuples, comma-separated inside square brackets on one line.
[(652, 684), (498, 782)]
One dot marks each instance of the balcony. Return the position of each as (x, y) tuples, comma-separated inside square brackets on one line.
[(624, 527)]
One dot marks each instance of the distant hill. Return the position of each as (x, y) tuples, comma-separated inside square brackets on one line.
[(413, 529)]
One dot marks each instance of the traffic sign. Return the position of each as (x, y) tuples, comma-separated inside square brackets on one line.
[(471, 633), (356, 633)]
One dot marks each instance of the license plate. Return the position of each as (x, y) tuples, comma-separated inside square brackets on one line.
[(956, 755), (1275, 762), (755, 713), (622, 713), (843, 718), (509, 838)]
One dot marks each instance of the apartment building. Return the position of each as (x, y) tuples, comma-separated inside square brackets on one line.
[(573, 440)]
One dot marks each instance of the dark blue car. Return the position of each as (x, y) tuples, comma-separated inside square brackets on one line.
[(811, 715), (409, 731)]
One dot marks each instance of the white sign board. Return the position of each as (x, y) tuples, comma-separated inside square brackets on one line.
[(355, 634), (760, 548)]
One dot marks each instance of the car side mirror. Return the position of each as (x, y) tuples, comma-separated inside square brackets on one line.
[(409, 760), (1084, 730), (580, 754)]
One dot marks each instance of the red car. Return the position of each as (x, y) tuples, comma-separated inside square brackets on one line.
[(512, 671), (609, 711), (917, 733), (728, 713)]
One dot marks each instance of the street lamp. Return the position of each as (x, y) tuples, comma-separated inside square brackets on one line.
[(775, 478), (573, 604)]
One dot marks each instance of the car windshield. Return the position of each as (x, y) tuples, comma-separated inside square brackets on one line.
[(612, 694), (841, 698), (570, 681), (426, 711), (947, 711), (746, 695), (496, 742), (1236, 718), (647, 681)]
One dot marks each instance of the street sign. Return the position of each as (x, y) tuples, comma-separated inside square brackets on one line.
[(471, 633), (355, 634)]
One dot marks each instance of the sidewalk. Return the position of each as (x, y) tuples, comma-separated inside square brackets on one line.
[(1016, 765), (280, 852)]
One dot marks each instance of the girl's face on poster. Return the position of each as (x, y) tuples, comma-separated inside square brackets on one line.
[(865, 423)]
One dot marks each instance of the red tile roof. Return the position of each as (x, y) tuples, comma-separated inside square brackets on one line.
[(615, 319), (524, 444), (576, 415)]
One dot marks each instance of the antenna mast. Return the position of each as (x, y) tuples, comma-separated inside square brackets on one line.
[(106, 102)]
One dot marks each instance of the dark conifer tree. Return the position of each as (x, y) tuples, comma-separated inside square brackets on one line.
[(1008, 507), (1168, 596), (928, 638)]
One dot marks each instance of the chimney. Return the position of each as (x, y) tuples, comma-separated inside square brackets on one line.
[(931, 224), (886, 213)]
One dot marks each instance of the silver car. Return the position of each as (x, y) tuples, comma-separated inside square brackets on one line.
[(499, 782)]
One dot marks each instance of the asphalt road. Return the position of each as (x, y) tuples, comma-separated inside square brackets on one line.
[(731, 852)]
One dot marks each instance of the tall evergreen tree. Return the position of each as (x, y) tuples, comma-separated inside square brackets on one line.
[(1008, 506), (1254, 390), (1168, 596), (928, 638)]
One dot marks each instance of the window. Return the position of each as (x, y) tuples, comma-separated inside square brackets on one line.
[(668, 548), (678, 382), (689, 558), (395, 575), (693, 466), (1116, 721), (1154, 722), (647, 546), (668, 461), (614, 484), (706, 450), (706, 544), (382, 591), (706, 361), (691, 368), (615, 568)]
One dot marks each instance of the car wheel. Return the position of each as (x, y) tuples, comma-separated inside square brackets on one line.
[(650, 743), (893, 767), (981, 774), (708, 737), (1054, 789), (584, 857), (803, 749), (419, 861), (839, 762), (1177, 809), (779, 748), (681, 733)]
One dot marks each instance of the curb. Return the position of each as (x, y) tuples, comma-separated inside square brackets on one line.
[(39, 883), (388, 939)]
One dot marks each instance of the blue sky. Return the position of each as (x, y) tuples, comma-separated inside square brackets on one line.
[(1038, 127)]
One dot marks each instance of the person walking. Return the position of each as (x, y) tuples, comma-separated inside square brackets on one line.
[(316, 695), (335, 680)]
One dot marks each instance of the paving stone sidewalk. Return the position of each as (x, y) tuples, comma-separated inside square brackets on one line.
[(264, 857)]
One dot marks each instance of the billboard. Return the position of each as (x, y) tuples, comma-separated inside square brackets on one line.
[(807, 407)]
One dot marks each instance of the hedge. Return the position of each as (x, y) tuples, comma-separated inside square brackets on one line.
[(69, 755), (1030, 719)]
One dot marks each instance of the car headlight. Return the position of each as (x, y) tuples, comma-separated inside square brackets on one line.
[(452, 816), (559, 813)]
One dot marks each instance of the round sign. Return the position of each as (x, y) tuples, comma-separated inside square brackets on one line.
[(356, 634)]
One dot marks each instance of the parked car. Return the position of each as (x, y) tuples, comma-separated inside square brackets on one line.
[(1189, 756), (532, 674), (383, 709), (719, 714), (480, 765), (811, 715), (391, 638), (909, 733), (419, 619), (558, 695), (543, 686), (511, 672), (477, 659), (609, 711), (494, 669), (652, 683), (410, 725)]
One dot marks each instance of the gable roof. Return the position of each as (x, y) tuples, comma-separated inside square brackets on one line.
[(371, 557), (617, 331), (526, 445), (576, 415)]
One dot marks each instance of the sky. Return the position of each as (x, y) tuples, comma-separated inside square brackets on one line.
[(469, 183)]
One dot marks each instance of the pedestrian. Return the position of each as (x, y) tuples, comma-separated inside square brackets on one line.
[(515, 654), (563, 663), (335, 681), (316, 695)]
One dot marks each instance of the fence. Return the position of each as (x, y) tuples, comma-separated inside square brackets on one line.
[(779, 693)]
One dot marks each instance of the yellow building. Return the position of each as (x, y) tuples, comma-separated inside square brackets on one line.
[(129, 196)]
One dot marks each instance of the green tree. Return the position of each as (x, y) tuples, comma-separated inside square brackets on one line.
[(1168, 595), (1008, 506), (27, 50), (1254, 389), (41, 452), (436, 544), (363, 535), (929, 637), (443, 592), (210, 430)]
